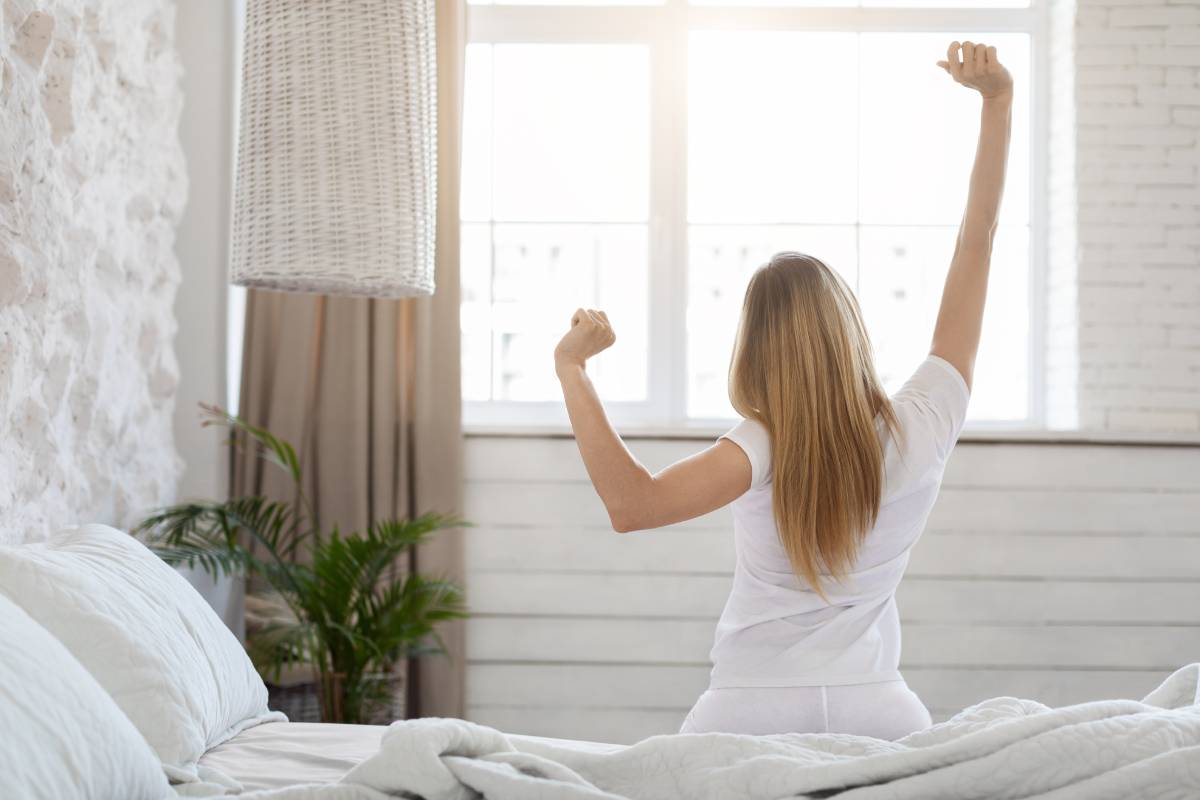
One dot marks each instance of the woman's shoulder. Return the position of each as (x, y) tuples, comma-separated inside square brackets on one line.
[(755, 441), (932, 404), (934, 379)]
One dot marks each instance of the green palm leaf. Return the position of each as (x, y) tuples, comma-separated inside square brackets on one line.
[(340, 602), (276, 450)]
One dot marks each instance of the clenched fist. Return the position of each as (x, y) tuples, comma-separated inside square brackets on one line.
[(978, 68), (589, 334)]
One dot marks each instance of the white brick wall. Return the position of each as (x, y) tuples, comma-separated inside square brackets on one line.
[(1125, 215)]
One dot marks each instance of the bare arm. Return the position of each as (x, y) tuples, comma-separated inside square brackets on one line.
[(634, 498), (960, 319)]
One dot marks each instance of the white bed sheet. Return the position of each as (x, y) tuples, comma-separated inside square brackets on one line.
[(275, 755), (279, 754), (1003, 747)]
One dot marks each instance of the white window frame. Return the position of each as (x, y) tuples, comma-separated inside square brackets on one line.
[(664, 30)]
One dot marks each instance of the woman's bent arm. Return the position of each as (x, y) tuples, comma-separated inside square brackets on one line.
[(960, 319), (633, 497)]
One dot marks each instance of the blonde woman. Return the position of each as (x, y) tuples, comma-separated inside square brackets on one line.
[(831, 481)]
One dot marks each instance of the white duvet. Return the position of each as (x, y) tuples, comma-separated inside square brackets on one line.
[(1000, 748)]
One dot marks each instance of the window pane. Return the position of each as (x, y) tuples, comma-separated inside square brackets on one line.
[(770, 136), (1001, 386), (557, 133), (478, 111), (874, 3), (722, 257), (901, 277), (556, 154), (521, 283), (564, 2), (919, 130), (762, 3), (864, 166), (947, 4), (475, 315)]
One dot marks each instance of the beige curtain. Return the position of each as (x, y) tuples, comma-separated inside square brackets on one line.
[(369, 392)]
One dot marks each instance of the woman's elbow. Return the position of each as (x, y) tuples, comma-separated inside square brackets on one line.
[(627, 520), (628, 509), (624, 524)]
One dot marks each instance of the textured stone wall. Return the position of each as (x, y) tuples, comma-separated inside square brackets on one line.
[(92, 182)]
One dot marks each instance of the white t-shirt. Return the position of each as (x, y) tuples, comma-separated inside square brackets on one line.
[(775, 629)]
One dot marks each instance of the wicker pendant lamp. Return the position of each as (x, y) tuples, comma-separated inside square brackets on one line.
[(336, 172)]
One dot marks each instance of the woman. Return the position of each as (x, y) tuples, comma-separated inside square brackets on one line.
[(831, 481)]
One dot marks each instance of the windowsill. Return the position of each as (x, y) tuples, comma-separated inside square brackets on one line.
[(707, 432)]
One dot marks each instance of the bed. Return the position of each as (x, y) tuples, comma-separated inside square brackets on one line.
[(118, 680), (1004, 747), (276, 755)]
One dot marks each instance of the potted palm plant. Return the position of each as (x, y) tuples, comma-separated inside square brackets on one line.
[(337, 601)]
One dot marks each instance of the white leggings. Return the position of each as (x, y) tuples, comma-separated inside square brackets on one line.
[(886, 710)]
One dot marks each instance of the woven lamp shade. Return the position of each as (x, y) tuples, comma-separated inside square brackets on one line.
[(336, 162)]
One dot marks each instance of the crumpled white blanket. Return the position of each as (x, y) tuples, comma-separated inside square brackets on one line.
[(1000, 748)]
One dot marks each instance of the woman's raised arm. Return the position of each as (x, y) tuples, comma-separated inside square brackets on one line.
[(634, 498), (960, 319)]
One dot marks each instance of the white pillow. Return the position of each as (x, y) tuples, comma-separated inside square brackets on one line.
[(62, 735), (145, 634)]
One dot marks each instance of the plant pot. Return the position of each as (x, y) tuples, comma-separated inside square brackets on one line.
[(383, 705), (300, 701)]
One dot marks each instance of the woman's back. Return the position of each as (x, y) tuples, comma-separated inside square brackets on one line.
[(775, 629), (850, 483)]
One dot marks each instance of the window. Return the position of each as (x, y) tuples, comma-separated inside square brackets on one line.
[(645, 158)]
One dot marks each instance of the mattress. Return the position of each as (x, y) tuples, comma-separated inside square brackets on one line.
[(279, 754)]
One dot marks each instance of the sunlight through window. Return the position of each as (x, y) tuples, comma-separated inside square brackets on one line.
[(646, 161)]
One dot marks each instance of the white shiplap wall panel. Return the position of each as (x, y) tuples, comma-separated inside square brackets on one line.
[(1082, 466), (1060, 572), (975, 645), (649, 596), (1026, 554), (616, 687), (557, 503)]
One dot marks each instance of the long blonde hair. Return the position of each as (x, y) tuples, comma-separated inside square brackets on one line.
[(802, 366)]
